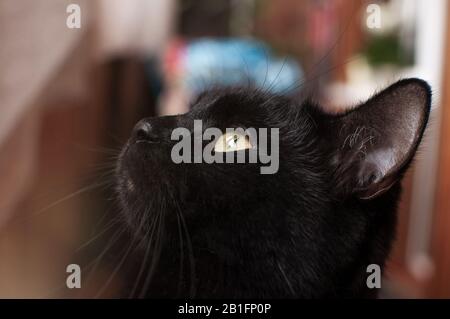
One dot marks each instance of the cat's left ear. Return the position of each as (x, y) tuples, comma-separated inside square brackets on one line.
[(373, 144)]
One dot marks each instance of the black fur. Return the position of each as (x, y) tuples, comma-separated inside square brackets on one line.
[(308, 231)]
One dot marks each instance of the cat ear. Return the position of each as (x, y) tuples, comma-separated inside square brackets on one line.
[(374, 143)]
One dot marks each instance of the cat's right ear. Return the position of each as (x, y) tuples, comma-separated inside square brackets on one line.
[(373, 144)]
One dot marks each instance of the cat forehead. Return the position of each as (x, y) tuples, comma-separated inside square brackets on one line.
[(239, 104)]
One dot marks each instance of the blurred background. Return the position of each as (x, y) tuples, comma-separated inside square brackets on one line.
[(70, 94)]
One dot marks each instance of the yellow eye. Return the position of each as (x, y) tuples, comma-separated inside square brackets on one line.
[(231, 142)]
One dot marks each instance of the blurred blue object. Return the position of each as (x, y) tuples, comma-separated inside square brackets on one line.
[(232, 62)]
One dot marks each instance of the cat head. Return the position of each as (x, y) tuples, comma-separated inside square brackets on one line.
[(307, 227)]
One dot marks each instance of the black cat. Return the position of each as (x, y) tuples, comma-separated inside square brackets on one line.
[(310, 230)]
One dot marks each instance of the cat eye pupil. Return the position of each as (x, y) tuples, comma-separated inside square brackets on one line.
[(231, 142)]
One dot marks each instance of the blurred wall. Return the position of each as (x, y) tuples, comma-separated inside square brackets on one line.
[(134, 26), (36, 44)]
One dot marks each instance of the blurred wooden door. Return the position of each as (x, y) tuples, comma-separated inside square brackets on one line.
[(429, 278), (439, 286)]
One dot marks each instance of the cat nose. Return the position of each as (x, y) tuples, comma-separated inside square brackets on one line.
[(155, 129), (144, 131)]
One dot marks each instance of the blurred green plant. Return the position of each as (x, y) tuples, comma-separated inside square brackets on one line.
[(387, 49)]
